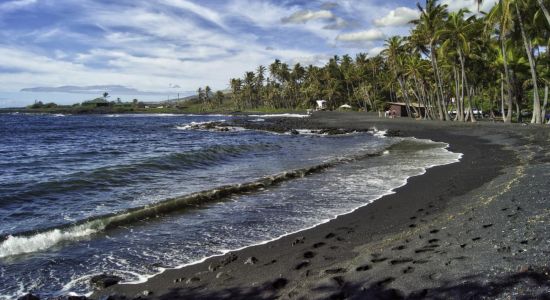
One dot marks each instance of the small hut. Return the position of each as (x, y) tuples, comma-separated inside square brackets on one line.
[(400, 109)]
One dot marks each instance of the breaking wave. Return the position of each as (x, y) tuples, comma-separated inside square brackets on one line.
[(33, 241)]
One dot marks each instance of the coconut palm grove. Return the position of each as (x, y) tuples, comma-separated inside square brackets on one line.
[(452, 63)]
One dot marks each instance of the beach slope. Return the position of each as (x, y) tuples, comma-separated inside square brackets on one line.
[(476, 228)]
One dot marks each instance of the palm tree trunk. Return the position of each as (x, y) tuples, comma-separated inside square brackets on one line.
[(545, 103), (439, 92), (508, 117), (536, 100), (459, 115), (464, 83), (544, 10), (405, 96)]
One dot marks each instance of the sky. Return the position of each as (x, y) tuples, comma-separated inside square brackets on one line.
[(68, 51)]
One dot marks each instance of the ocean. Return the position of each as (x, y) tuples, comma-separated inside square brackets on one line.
[(133, 195)]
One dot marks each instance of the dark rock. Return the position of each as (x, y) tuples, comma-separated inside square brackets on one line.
[(77, 298), (146, 293), (294, 132), (29, 296), (393, 133), (251, 261), (104, 280), (333, 131)]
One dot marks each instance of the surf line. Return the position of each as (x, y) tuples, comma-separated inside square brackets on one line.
[(37, 240)]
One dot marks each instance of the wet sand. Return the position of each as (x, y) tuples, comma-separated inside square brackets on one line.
[(477, 228)]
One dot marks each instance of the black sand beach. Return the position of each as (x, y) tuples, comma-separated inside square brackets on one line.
[(473, 229)]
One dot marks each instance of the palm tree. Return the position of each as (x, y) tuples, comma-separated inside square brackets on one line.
[(207, 93), (394, 54), (431, 19), (528, 49), (544, 10), (219, 97), (501, 17), (236, 91), (458, 34)]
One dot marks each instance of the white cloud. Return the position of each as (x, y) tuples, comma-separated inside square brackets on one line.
[(398, 17), (471, 5), (199, 10), (261, 13), (375, 51), (362, 36), (308, 15), (15, 5)]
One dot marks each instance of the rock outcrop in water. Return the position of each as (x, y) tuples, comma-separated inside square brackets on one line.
[(104, 280)]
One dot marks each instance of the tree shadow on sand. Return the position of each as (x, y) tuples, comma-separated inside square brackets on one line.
[(534, 284)]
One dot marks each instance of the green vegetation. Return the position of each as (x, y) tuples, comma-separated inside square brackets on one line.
[(102, 106), (452, 63), (215, 103)]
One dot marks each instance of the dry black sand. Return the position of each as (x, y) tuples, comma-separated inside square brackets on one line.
[(474, 229)]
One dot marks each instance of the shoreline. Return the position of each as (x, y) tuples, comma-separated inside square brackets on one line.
[(312, 170), (290, 266)]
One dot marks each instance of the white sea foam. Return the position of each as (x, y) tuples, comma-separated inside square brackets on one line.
[(202, 126), (191, 125), (379, 133), (15, 245)]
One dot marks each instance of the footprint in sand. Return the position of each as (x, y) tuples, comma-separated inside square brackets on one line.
[(270, 263), (400, 261), (279, 283), (420, 262), (380, 259), (384, 282), (301, 265), (318, 245), (408, 270), (339, 280), (309, 254), (363, 268), (330, 235)]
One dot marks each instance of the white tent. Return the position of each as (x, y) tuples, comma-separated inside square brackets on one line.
[(321, 104)]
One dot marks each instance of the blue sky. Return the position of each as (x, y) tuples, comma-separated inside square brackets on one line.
[(154, 49)]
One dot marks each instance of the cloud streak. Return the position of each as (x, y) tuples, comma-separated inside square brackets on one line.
[(362, 36), (94, 89)]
